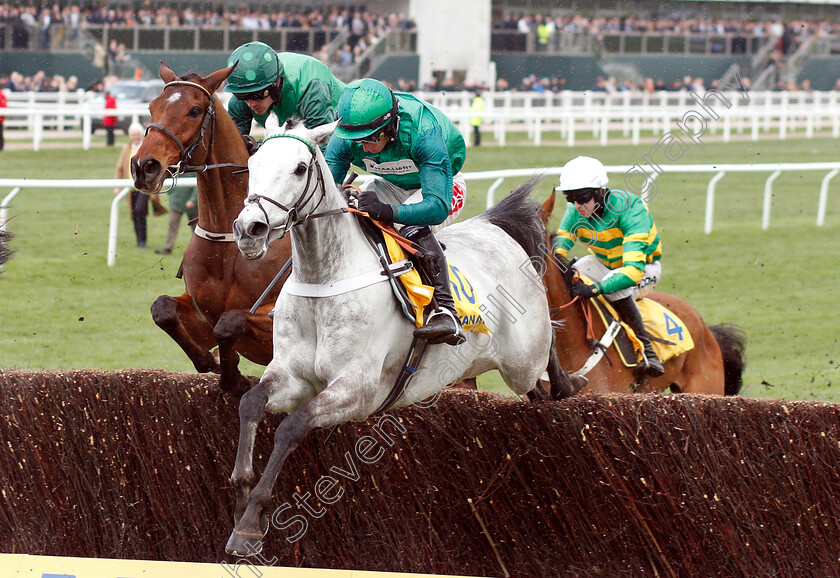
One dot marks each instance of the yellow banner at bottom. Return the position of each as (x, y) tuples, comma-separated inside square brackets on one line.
[(26, 566)]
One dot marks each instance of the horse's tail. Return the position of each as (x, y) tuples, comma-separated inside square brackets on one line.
[(732, 341), (5, 252), (518, 215)]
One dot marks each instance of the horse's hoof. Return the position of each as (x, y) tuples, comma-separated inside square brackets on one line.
[(244, 544)]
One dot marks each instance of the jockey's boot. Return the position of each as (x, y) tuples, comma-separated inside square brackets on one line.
[(630, 314), (443, 325)]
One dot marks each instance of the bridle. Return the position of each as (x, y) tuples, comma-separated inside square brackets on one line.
[(207, 123), (293, 213)]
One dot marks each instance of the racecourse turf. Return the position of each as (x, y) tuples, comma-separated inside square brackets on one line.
[(63, 307)]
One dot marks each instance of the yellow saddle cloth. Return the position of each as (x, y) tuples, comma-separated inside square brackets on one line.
[(420, 295), (670, 332)]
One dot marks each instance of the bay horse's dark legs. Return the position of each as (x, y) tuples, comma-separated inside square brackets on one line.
[(177, 317), (539, 393), (230, 326), (239, 333)]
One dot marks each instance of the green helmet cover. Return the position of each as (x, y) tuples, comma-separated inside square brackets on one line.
[(365, 106), (258, 68)]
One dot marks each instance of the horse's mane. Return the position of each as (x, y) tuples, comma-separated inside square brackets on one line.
[(292, 122), (191, 76), (518, 215)]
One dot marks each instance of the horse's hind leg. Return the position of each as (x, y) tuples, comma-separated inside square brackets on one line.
[(539, 393), (177, 317), (344, 399)]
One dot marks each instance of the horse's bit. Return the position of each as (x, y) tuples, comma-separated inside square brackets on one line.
[(208, 121)]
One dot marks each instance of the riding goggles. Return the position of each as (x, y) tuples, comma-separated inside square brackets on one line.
[(580, 196), (371, 139), (256, 95)]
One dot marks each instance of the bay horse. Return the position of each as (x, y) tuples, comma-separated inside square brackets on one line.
[(191, 131), (340, 339), (713, 366)]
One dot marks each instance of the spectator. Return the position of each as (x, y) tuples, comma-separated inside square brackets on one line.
[(181, 200), (44, 24), (20, 32), (477, 117), (3, 104), (139, 202), (109, 122)]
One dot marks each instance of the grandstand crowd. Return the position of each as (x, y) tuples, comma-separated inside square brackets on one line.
[(366, 28)]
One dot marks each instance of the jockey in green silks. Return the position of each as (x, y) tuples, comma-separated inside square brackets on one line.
[(625, 247), (415, 154), (285, 83)]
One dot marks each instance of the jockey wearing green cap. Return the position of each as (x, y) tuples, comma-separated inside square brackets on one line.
[(287, 83), (415, 154)]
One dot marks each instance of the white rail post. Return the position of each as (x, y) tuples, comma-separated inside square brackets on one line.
[(710, 200), (570, 137), (768, 199), (4, 208), (636, 129), (824, 197), (648, 184), (605, 127), (491, 193), (38, 131), (86, 126), (113, 227)]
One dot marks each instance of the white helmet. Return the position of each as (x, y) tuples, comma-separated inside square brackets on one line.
[(583, 173)]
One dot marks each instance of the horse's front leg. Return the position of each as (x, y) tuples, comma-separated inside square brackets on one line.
[(251, 412), (178, 318), (251, 335), (344, 399)]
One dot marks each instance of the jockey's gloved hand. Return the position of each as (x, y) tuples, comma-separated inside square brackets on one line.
[(584, 291), (370, 204), (251, 144)]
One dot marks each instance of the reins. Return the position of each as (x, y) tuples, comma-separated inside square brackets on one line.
[(293, 217), (586, 309), (208, 122)]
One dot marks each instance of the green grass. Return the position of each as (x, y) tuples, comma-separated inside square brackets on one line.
[(65, 308)]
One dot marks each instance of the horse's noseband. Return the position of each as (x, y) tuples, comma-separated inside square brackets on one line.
[(293, 213), (207, 122)]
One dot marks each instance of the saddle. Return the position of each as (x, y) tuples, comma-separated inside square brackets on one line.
[(412, 294), (668, 333)]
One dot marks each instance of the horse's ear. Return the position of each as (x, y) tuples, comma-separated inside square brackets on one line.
[(215, 80), (272, 123), (547, 208), (166, 73), (321, 134)]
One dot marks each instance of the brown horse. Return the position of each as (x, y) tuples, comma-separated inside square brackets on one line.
[(190, 131), (714, 366)]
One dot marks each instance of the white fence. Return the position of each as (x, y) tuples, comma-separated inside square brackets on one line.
[(719, 171), (571, 116)]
